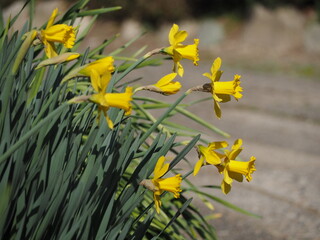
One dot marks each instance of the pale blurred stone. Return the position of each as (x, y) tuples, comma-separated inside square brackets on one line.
[(130, 28)]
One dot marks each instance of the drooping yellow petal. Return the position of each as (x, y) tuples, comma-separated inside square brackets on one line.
[(217, 109), (95, 81), (104, 81), (157, 202), (226, 177), (179, 68), (198, 165), (50, 49), (109, 121), (225, 187)]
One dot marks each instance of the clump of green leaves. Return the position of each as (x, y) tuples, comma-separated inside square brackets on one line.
[(65, 175)]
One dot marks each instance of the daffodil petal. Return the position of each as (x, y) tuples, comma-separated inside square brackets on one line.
[(174, 29), (217, 109), (180, 36), (225, 187), (216, 65), (237, 144), (218, 145), (208, 75), (52, 18), (50, 49), (236, 176), (95, 79), (160, 168), (157, 202), (197, 166), (213, 158), (166, 79)]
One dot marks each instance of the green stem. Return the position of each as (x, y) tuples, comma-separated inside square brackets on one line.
[(35, 129)]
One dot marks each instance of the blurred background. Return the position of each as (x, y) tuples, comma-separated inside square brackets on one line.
[(275, 46)]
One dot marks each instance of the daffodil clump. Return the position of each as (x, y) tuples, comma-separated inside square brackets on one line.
[(90, 87), (226, 163)]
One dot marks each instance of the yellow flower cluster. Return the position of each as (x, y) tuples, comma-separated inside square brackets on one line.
[(101, 72), (158, 185), (226, 163)]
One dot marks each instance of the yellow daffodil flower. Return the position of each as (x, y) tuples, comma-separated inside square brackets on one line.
[(235, 170), (179, 51), (221, 91), (158, 185), (167, 86), (207, 155), (107, 100), (102, 66), (60, 33), (164, 86)]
